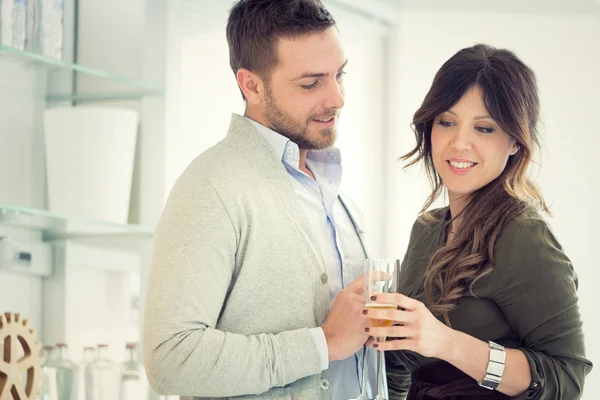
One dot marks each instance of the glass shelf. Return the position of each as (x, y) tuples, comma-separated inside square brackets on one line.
[(117, 87), (62, 227)]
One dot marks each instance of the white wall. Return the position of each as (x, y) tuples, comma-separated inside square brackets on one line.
[(118, 49), (564, 51), (362, 128), (201, 88), (26, 301)]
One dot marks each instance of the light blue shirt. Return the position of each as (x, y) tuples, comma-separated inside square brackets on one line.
[(337, 238)]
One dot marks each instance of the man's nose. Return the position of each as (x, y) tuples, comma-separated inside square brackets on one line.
[(335, 97)]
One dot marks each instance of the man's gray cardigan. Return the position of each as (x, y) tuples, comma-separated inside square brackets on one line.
[(237, 279)]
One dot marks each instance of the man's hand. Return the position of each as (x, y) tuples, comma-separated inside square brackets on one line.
[(345, 325)]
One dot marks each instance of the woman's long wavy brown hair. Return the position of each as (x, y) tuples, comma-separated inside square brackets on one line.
[(510, 95)]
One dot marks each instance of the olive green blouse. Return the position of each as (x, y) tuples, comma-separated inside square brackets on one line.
[(528, 302)]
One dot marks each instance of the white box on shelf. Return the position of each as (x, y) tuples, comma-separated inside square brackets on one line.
[(34, 258), (90, 154)]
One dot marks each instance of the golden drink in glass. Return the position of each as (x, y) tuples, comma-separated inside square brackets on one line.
[(380, 322)]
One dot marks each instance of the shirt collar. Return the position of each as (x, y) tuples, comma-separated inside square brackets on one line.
[(288, 151)]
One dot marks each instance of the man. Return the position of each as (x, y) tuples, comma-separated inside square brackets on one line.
[(252, 290)]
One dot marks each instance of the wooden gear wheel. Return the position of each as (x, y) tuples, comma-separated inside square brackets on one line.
[(20, 363)]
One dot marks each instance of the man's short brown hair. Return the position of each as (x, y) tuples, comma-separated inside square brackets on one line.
[(255, 25)]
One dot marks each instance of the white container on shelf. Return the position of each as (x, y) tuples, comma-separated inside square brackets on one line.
[(90, 153)]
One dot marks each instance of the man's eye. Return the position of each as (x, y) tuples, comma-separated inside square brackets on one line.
[(311, 86)]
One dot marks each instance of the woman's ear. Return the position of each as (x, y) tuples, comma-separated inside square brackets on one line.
[(515, 148)]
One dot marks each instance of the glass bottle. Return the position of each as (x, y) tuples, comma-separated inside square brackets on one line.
[(67, 374), (48, 384), (133, 382), (102, 377), (89, 354)]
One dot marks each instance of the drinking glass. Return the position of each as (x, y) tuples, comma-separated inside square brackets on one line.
[(380, 276)]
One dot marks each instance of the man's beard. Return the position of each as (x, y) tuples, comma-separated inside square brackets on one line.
[(296, 130)]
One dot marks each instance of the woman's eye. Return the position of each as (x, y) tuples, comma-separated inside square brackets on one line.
[(485, 130), (445, 124)]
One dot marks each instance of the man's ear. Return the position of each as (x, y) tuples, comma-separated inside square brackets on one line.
[(251, 85)]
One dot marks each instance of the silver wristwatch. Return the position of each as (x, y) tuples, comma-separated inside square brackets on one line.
[(495, 368)]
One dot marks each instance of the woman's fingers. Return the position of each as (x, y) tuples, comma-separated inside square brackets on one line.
[(413, 326), (398, 299), (397, 316), (391, 331), (397, 344)]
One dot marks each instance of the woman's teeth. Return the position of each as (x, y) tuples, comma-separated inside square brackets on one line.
[(461, 165)]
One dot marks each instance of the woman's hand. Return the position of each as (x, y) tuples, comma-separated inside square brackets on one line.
[(420, 331)]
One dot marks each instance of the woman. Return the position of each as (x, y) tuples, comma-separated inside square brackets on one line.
[(487, 298)]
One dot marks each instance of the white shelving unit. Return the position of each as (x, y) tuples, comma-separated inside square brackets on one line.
[(93, 294)]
